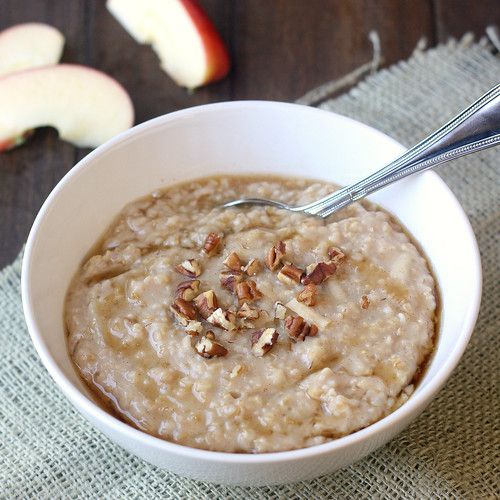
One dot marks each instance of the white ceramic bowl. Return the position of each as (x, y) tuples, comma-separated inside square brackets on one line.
[(243, 137)]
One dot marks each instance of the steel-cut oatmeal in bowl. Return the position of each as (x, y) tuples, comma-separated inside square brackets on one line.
[(252, 329)]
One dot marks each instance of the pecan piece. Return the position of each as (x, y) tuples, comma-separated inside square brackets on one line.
[(183, 311), (187, 290), (320, 273), (298, 329), (233, 262), (279, 310), (211, 244), (263, 341), (185, 307), (275, 254), (290, 274), (247, 312), (364, 302), (223, 319), (189, 267), (208, 348), (229, 279), (247, 291), (252, 268), (308, 295), (206, 303), (193, 328), (335, 254), (248, 316)]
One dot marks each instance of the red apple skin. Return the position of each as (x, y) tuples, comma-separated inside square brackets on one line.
[(216, 52), (7, 144), (14, 142)]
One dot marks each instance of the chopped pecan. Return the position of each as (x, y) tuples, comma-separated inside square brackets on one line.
[(247, 291), (290, 274), (364, 302), (229, 279), (279, 310), (320, 273), (263, 341), (247, 312), (253, 289), (252, 268), (189, 267), (183, 311), (223, 319), (185, 307), (206, 303), (275, 254), (193, 328), (308, 295), (211, 244), (233, 261), (181, 318), (298, 329), (187, 290), (208, 348), (335, 254), (247, 316)]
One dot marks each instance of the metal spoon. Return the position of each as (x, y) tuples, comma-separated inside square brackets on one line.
[(476, 128)]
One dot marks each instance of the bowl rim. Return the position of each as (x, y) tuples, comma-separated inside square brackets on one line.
[(411, 408)]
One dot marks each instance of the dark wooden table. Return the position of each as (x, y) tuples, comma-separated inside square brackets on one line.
[(280, 50)]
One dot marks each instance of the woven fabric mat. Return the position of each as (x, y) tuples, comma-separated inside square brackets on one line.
[(452, 451)]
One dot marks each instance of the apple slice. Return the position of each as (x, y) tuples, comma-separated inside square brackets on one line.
[(190, 49), (86, 106), (29, 45)]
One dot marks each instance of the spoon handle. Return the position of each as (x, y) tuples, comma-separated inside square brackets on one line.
[(476, 128)]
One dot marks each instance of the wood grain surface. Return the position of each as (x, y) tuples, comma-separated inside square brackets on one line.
[(280, 50)]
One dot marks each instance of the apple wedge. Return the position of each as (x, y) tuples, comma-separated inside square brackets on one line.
[(190, 49), (86, 106), (29, 45)]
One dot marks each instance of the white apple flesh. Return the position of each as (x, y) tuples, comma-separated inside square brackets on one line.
[(29, 45), (86, 106), (187, 43)]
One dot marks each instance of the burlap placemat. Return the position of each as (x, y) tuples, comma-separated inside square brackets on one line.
[(452, 451)]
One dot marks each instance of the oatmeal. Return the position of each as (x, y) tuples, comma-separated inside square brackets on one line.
[(250, 329)]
